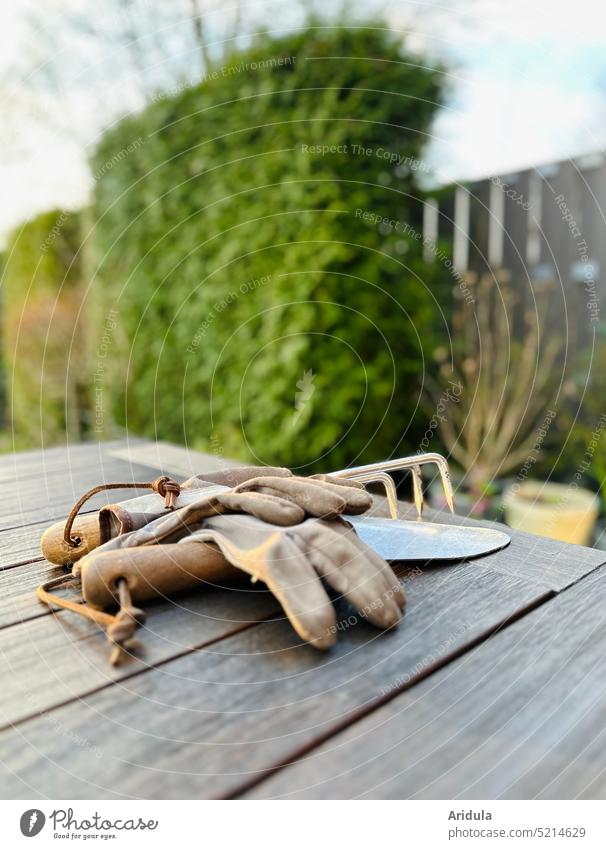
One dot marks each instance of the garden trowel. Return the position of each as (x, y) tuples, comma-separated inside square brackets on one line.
[(402, 539), (399, 539)]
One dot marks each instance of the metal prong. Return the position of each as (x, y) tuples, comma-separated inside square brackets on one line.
[(376, 472), (417, 489), (388, 483), (446, 483)]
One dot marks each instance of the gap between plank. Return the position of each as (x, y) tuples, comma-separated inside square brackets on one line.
[(29, 562), (44, 523), (31, 618)]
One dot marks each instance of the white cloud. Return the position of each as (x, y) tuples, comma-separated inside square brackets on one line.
[(503, 126)]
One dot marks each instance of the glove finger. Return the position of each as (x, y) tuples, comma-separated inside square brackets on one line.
[(392, 585), (268, 508), (357, 499), (319, 499), (294, 582), (270, 555), (314, 499), (363, 589), (233, 476), (353, 572)]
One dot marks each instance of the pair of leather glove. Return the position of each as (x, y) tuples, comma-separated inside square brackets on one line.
[(284, 530)]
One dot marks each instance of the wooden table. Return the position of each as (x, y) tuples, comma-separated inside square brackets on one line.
[(494, 685)]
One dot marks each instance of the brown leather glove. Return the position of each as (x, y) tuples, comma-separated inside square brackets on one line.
[(278, 500), (293, 562), (126, 516), (117, 519)]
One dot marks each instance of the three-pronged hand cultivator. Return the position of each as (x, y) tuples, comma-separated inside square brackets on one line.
[(298, 535), (401, 539)]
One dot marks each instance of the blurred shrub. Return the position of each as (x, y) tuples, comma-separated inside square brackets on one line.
[(258, 239), (43, 348)]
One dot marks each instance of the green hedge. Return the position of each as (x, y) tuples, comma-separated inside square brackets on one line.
[(43, 348), (264, 308)]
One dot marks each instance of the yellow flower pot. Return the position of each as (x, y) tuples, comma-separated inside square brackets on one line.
[(560, 511)]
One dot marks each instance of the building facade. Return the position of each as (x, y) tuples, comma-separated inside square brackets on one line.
[(545, 226)]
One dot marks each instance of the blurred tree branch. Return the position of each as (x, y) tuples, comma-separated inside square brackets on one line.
[(126, 52)]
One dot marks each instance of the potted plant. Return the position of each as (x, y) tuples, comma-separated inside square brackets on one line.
[(495, 420), (561, 511)]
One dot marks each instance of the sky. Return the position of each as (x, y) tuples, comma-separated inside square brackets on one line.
[(530, 88), (527, 86)]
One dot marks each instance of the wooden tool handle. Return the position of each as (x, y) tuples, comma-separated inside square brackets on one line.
[(153, 571), (56, 550)]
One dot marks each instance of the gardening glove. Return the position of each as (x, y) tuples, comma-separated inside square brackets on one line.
[(279, 500), (292, 561), (116, 519), (126, 516)]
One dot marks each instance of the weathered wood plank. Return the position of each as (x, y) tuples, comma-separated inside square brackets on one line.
[(59, 455), (57, 659), (44, 484), (171, 459), (21, 545), (201, 724), (18, 602), (522, 716), (546, 562)]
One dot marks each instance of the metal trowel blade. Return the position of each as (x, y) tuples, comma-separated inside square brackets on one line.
[(398, 539)]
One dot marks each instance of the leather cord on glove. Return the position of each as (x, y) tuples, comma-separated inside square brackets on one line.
[(119, 628)]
